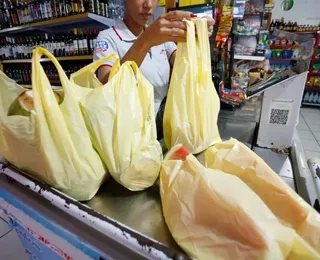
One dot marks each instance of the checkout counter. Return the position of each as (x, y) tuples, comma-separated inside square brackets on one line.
[(118, 223)]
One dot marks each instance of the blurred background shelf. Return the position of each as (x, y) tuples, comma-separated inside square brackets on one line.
[(62, 21), (310, 104), (248, 57), (67, 58), (282, 59)]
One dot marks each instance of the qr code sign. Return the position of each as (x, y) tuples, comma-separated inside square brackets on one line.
[(279, 116)]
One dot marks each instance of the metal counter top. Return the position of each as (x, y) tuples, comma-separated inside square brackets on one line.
[(249, 112), (142, 210)]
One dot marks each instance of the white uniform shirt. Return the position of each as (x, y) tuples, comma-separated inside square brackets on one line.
[(155, 66)]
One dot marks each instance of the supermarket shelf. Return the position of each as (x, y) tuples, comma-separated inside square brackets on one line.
[(309, 32), (257, 14), (246, 57), (245, 34), (310, 104), (311, 88), (314, 74), (85, 17), (282, 59), (83, 57)]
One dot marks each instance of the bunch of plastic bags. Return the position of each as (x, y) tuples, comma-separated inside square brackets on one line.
[(234, 206), (52, 142), (214, 215), (121, 121), (71, 140)]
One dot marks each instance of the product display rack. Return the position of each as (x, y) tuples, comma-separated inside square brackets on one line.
[(235, 35), (311, 89), (54, 27), (66, 58), (68, 20)]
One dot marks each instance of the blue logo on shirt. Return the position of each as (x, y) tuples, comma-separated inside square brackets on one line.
[(102, 46)]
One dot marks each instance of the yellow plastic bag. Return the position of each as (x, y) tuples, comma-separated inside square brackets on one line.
[(192, 107), (120, 118), (235, 158), (52, 144), (213, 215), (86, 76)]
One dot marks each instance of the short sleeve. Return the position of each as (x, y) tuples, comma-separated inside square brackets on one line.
[(104, 47), (171, 47)]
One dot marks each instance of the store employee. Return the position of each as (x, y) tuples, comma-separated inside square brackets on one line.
[(152, 48)]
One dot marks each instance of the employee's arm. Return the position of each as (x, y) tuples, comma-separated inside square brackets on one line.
[(168, 27)]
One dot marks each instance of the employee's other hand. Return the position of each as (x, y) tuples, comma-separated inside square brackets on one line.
[(211, 22), (168, 27)]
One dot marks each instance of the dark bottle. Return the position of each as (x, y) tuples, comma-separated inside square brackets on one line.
[(57, 8), (97, 7), (49, 9), (80, 43), (282, 24), (7, 14), (69, 9), (19, 11), (84, 43), (295, 27), (3, 18), (271, 27), (13, 14), (53, 8), (81, 6), (75, 9), (75, 42), (91, 6), (45, 11), (63, 8), (102, 8), (63, 45), (55, 45), (31, 14), (86, 5), (106, 8), (31, 41), (59, 45), (26, 12)]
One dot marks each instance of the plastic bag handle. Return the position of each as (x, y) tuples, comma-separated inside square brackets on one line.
[(135, 69), (36, 56), (95, 65)]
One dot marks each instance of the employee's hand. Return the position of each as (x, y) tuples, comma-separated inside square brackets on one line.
[(168, 27), (211, 23)]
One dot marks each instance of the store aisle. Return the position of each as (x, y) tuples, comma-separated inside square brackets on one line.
[(309, 131), (10, 246)]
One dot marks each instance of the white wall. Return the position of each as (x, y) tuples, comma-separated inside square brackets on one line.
[(303, 11)]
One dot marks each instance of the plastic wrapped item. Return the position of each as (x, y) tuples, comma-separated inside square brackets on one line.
[(121, 121), (235, 158), (192, 107), (52, 143), (214, 215)]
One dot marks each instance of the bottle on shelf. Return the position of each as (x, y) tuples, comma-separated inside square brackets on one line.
[(295, 27), (13, 14), (276, 25), (281, 24), (271, 26), (75, 42), (6, 14)]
